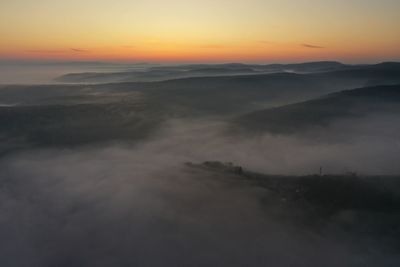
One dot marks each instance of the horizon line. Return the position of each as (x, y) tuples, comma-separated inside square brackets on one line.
[(127, 62)]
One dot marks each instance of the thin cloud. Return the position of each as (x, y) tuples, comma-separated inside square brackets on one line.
[(312, 46), (55, 51), (79, 50)]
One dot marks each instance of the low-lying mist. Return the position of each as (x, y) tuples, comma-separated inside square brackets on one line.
[(369, 146), (45, 72), (139, 205)]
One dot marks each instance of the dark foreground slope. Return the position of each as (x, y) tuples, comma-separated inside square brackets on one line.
[(327, 193), (108, 207), (324, 111), (361, 207)]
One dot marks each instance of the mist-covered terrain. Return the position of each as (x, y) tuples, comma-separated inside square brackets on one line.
[(149, 73), (202, 165)]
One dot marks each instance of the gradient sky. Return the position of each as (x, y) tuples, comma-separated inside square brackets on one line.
[(200, 31)]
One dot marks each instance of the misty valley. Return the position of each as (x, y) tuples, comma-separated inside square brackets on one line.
[(201, 165)]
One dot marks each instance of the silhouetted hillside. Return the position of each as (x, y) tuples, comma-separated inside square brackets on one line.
[(325, 110), (78, 124)]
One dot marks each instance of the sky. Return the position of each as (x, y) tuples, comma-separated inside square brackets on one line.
[(358, 31)]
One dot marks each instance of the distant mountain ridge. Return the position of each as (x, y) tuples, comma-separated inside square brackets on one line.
[(224, 94), (160, 73)]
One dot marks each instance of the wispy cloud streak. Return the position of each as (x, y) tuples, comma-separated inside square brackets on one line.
[(312, 46)]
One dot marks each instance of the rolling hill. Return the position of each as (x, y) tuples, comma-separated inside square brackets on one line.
[(323, 111)]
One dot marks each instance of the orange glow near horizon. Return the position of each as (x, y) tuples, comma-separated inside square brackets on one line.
[(206, 31)]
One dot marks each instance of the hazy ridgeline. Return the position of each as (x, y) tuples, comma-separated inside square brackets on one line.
[(95, 174)]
